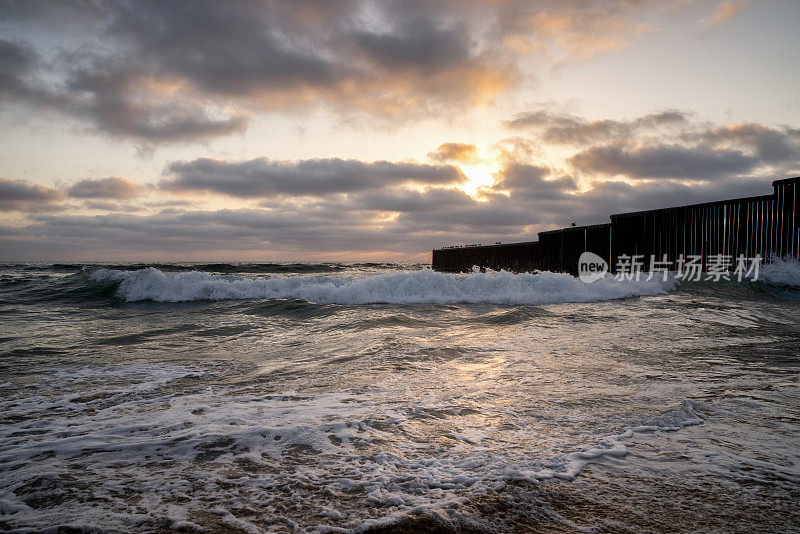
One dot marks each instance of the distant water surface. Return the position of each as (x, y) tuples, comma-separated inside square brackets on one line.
[(353, 397)]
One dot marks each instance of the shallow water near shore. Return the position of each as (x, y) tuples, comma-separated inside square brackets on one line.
[(387, 397)]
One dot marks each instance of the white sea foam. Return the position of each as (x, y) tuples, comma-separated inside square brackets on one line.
[(312, 451), (402, 287), (784, 272)]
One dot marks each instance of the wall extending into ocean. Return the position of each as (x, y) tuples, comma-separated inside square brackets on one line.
[(767, 225)]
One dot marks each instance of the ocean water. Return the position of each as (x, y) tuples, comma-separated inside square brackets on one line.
[(390, 398)]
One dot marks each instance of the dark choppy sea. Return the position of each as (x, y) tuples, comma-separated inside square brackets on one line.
[(389, 398)]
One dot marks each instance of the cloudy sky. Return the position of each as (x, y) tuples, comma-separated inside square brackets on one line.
[(377, 130)]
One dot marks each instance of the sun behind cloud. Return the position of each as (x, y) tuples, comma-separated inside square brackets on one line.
[(479, 175)]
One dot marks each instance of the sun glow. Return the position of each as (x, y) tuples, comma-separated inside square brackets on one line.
[(478, 175)]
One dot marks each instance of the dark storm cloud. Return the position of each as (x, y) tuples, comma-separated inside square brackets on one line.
[(476, 219), (335, 205), (201, 231), (113, 187), (666, 144), (23, 196), (129, 101), (262, 177), (402, 200), (157, 71), (438, 210), (571, 130), (122, 100), (234, 47), (357, 223), (661, 118), (417, 44), (179, 70), (292, 228), (389, 219), (542, 118), (771, 145), (15, 61), (526, 181), (663, 161), (104, 205)]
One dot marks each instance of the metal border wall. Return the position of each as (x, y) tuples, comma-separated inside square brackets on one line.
[(766, 225)]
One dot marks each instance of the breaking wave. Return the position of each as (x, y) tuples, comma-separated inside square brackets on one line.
[(784, 272), (401, 287)]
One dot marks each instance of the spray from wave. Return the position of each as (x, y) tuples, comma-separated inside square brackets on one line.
[(784, 272), (402, 287)]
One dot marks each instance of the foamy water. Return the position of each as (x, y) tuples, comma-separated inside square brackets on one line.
[(404, 287), (348, 397), (783, 272)]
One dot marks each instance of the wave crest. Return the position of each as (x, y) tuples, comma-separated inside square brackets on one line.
[(402, 287), (785, 272)]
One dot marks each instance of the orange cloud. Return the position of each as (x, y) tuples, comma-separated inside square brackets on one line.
[(724, 12), (455, 152), (574, 35)]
